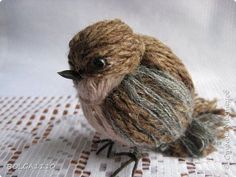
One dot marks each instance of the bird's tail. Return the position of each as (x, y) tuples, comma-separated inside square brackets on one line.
[(207, 127)]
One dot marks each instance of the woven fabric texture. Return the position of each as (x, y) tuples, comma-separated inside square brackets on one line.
[(49, 137)]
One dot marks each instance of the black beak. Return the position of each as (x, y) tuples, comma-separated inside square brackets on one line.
[(70, 74)]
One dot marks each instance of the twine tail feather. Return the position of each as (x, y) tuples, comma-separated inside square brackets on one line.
[(206, 129)]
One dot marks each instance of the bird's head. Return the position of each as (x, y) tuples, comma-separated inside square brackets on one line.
[(100, 56)]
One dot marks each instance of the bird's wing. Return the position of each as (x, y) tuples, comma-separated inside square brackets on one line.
[(149, 108), (154, 105)]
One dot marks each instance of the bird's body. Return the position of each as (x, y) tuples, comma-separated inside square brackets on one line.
[(134, 90), (103, 111)]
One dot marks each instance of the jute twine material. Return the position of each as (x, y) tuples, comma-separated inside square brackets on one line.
[(154, 104)]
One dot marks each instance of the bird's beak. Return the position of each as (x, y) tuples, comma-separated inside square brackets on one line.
[(70, 74)]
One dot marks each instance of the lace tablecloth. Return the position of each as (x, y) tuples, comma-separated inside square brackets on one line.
[(49, 137)]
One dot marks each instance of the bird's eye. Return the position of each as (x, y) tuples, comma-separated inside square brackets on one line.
[(70, 63), (99, 63)]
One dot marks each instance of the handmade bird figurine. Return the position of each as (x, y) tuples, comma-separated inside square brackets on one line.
[(134, 90)]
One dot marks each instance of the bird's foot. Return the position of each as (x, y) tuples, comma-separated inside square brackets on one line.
[(135, 156), (106, 143)]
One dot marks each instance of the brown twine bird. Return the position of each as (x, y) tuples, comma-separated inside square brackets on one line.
[(134, 90)]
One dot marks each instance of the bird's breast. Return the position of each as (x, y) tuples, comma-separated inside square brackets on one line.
[(96, 119), (94, 90)]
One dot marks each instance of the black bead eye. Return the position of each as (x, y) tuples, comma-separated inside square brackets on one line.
[(99, 63), (70, 63)]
